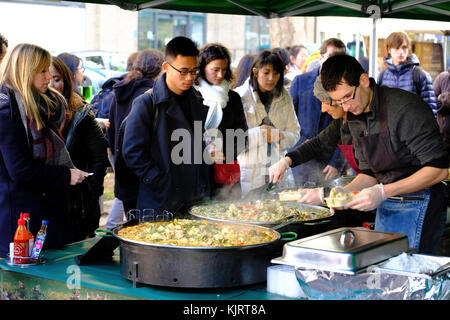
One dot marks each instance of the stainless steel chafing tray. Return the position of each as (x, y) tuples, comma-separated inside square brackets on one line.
[(344, 250)]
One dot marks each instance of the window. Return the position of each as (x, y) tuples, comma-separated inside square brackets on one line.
[(146, 32), (157, 27), (257, 35)]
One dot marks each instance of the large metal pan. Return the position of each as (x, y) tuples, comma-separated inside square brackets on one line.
[(196, 267), (272, 224)]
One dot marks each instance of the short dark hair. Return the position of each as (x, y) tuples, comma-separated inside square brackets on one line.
[(264, 58), (3, 40), (340, 67), (211, 52), (331, 42), (180, 46)]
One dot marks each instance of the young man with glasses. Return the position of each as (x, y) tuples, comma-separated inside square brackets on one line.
[(400, 152), (170, 116)]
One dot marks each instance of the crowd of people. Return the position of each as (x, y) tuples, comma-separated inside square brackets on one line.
[(182, 126)]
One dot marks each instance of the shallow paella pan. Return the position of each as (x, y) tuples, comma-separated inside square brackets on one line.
[(292, 213), (197, 266)]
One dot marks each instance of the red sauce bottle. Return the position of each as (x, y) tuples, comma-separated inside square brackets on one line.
[(21, 243)]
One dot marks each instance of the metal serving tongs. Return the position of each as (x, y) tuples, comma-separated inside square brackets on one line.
[(287, 220), (266, 190), (260, 193)]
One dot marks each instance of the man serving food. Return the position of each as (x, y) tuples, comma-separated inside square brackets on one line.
[(399, 151)]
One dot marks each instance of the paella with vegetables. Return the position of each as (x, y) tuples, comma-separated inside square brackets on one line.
[(259, 211), (197, 233)]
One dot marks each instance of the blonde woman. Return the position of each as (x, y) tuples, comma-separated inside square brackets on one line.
[(35, 167)]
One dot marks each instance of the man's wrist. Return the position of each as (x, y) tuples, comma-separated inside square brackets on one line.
[(287, 161)]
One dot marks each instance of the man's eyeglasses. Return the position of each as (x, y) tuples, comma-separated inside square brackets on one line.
[(184, 73), (82, 69), (340, 104)]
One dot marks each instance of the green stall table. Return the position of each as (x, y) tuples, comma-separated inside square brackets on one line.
[(60, 278)]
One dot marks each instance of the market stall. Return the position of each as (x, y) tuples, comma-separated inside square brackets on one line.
[(310, 268), (58, 277)]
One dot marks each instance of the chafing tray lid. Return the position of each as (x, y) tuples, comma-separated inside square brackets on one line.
[(344, 250)]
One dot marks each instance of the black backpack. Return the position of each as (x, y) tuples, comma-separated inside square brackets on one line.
[(416, 78), (125, 177)]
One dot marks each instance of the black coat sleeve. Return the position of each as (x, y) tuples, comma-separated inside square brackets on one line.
[(138, 139), (97, 156), (320, 147)]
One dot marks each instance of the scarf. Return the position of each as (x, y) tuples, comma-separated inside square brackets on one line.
[(47, 143), (216, 98)]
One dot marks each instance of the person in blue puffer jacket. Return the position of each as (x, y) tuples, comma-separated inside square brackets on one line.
[(400, 66)]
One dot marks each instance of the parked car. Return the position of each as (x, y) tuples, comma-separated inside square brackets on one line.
[(99, 67)]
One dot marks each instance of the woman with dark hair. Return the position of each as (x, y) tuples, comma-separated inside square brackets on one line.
[(86, 144), (271, 119), (242, 71), (75, 65), (146, 69), (298, 56), (225, 112)]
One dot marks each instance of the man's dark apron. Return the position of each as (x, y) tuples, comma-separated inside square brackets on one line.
[(404, 213)]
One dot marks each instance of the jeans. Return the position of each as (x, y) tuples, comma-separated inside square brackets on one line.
[(116, 216), (405, 217)]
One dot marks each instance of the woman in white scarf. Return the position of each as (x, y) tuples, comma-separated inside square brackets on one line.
[(225, 118)]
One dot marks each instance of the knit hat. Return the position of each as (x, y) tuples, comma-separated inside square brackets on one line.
[(319, 91)]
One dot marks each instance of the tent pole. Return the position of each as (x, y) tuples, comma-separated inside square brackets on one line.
[(373, 50), (357, 47), (444, 49)]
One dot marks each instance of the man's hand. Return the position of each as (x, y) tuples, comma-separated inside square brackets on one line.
[(368, 199), (313, 196), (276, 171), (330, 172)]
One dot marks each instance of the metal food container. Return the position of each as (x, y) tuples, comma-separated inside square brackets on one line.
[(196, 267), (271, 224), (343, 250)]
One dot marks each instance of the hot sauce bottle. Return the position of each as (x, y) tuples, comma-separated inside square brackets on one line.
[(21, 243)]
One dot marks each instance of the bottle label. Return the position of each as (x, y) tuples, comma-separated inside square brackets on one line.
[(37, 247), (21, 250)]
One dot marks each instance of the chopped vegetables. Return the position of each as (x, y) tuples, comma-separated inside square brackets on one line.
[(258, 211), (197, 233)]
